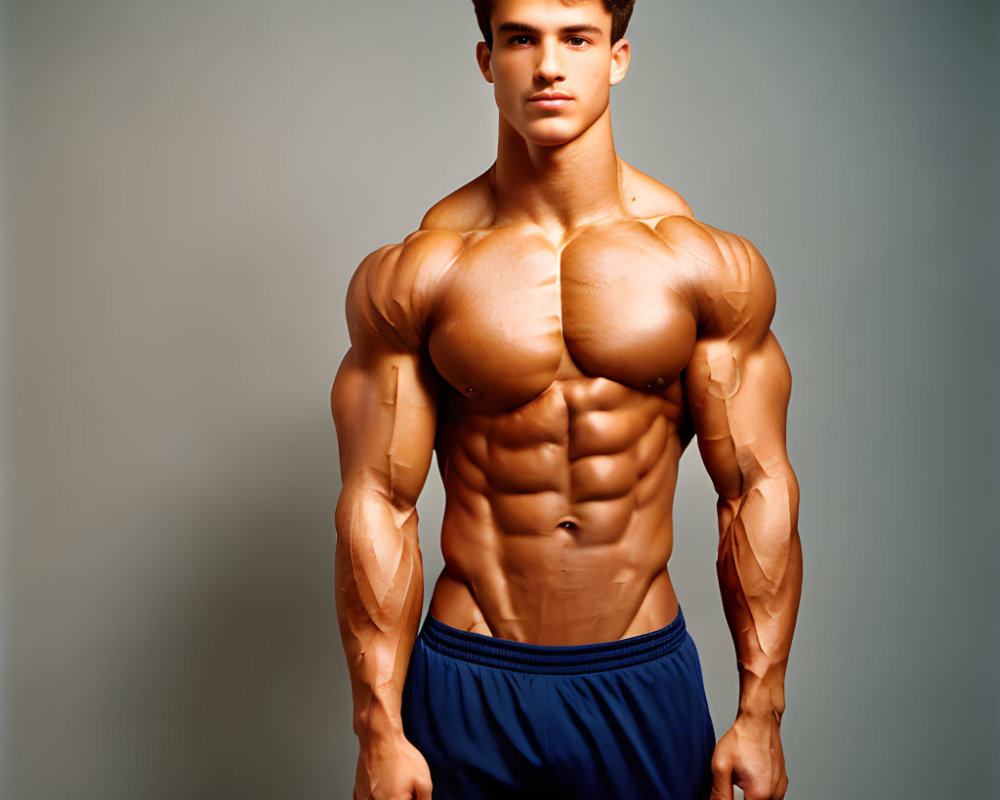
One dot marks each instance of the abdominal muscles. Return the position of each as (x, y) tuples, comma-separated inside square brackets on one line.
[(557, 526)]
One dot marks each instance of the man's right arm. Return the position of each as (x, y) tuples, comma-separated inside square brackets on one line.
[(384, 407)]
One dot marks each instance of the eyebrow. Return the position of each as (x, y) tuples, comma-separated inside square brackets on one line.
[(593, 30)]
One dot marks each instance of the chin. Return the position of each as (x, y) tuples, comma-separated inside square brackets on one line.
[(550, 133)]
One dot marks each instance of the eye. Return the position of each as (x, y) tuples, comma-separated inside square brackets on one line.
[(520, 39), (576, 41)]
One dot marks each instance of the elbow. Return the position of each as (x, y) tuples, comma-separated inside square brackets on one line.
[(787, 486), (342, 516), (766, 506), (350, 506), (372, 511), (773, 479), (777, 493)]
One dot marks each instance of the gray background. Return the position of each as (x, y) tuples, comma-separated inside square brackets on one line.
[(188, 186)]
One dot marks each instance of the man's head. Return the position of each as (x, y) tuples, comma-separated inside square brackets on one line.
[(552, 64), (620, 10)]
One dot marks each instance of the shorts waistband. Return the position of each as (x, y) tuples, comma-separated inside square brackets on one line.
[(490, 651)]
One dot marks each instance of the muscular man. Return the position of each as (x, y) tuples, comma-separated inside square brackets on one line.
[(558, 330)]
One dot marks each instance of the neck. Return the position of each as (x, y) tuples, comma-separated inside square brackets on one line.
[(562, 186)]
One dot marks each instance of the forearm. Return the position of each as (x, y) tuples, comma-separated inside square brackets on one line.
[(379, 583), (760, 576)]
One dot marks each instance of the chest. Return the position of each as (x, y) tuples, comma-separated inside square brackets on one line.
[(614, 301)]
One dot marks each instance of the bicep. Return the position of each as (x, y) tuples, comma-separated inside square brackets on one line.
[(385, 410), (738, 398)]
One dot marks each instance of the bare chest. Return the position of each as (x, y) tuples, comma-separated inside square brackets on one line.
[(615, 303)]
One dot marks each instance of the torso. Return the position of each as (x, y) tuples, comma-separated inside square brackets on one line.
[(562, 419)]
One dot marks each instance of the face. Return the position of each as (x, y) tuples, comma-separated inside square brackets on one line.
[(552, 66)]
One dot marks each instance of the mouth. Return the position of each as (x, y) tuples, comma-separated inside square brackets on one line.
[(550, 100)]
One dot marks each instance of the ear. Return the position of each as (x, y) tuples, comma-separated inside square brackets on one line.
[(483, 56), (621, 54)]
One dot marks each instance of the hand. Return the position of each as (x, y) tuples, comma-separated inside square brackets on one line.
[(390, 768), (749, 755)]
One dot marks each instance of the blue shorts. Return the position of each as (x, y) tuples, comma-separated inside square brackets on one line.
[(621, 720)]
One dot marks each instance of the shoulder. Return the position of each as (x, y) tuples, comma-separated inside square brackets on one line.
[(470, 207), (736, 288), (645, 197), (392, 292)]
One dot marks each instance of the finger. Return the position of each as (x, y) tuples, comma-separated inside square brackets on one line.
[(722, 783), (422, 790), (758, 790), (754, 791)]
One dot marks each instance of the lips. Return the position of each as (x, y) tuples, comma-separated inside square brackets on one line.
[(550, 99)]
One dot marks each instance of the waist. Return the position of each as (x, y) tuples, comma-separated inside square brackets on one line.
[(527, 601), (506, 654)]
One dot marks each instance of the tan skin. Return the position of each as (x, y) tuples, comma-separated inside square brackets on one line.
[(558, 330)]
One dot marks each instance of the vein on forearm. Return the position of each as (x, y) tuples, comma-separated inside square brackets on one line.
[(760, 575), (380, 594), (382, 554)]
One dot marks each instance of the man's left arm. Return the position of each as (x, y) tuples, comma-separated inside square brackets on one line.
[(737, 386)]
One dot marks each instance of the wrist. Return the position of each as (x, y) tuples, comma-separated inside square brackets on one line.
[(369, 738), (758, 716), (376, 722), (762, 693)]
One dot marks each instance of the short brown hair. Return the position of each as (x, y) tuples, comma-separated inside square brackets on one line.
[(621, 11)]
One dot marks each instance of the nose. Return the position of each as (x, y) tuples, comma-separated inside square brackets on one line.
[(549, 69)]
